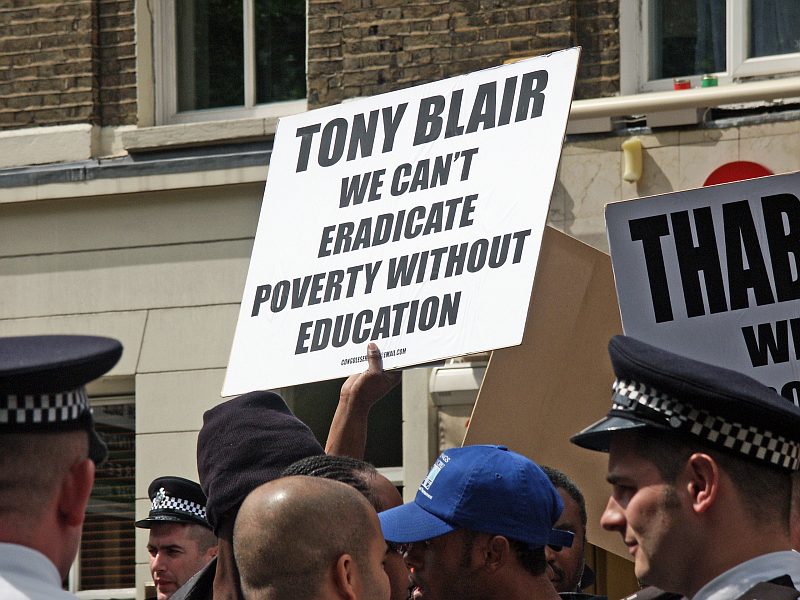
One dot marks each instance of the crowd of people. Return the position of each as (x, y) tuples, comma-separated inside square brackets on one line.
[(700, 467)]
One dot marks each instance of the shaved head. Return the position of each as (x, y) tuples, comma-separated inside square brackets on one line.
[(32, 466), (291, 532)]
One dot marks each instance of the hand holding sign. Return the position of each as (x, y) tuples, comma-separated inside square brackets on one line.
[(348, 432)]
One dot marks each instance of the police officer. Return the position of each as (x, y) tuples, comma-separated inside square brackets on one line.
[(49, 450), (699, 462), (181, 541)]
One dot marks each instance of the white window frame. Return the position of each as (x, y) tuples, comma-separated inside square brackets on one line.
[(74, 576), (635, 55), (166, 79)]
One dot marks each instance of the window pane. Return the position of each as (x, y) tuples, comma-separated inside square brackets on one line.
[(687, 37), (107, 555), (774, 27), (315, 405), (280, 50), (210, 49)]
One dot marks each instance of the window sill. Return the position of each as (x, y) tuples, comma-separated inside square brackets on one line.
[(183, 135), (674, 107)]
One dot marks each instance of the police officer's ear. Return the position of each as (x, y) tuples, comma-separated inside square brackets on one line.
[(702, 481), (73, 493)]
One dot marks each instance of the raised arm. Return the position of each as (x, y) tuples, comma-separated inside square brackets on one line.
[(348, 433)]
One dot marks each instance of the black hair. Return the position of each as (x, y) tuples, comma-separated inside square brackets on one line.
[(559, 479), (767, 491), (355, 473)]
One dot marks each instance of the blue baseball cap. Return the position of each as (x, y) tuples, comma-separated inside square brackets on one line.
[(482, 488)]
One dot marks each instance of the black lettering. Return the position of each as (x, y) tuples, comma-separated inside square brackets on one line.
[(299, 291), (509, 88), (741, 242), (531, 99), (363, 135), (441, 170), (262, 295), (322, 334), (361, 330), (649, 231), (767, 342), (456, 259), (427, 316), (326, 240), (390, 124), (467, 156), (477, 255), (485, 107), (400, 186), (784, 243), (280, 297), (449, 312), (693, 259), (453, 113), (305, 134), (429, 120), (302, 337), (334, 131), (354, 189)]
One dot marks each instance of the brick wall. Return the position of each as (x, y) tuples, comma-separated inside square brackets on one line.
[(60, 59), (597, 32), (366, 47), (116, 62)]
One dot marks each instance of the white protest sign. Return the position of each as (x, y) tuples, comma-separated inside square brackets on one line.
[(412, 219), (713, 274)]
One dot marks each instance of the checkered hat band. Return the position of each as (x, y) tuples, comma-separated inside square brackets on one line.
[(43, 409), (760, 444), (162, 501)]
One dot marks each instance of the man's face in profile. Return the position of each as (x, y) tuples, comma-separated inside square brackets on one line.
[(175, 555), (565, 565)]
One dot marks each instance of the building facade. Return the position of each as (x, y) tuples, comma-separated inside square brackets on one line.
[(135, 139)]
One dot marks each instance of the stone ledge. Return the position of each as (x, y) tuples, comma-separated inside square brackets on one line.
[(197, 134)]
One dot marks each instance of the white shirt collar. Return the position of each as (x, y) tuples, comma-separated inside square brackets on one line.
[(736, 581)]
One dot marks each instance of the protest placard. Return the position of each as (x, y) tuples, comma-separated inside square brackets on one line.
[(713, 274), (412, 219), (535, 396)]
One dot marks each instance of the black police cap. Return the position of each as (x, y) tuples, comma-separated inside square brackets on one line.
[(175, 500), (42, 381), (657, 389)]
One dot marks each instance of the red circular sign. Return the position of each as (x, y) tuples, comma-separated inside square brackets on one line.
[(736, 171)]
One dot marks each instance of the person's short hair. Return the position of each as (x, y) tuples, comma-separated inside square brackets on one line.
[(28, 482), (355, 473), (767, 491), (204, 537), (559, 479)]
